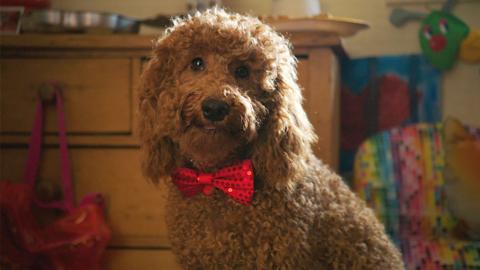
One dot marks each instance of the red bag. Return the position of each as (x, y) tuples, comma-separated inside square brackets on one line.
[(77, 240)]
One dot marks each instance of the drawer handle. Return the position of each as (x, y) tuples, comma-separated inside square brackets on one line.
[(46, 91)]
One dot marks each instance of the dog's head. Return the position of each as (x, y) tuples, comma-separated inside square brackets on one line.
[(222, 87)]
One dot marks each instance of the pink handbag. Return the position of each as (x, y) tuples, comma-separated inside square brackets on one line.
[(75, 240)]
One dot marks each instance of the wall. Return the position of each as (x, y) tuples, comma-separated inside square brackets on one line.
[(461, 85)]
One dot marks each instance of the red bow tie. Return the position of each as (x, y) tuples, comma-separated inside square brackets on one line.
[(236, 181)]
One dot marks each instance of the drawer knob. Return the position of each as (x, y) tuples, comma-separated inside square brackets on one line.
[(46, 91)]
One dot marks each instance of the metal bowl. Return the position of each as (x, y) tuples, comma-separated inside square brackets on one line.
[(51, 20)]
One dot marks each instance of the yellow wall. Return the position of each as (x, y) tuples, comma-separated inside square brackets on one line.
[(461, 85)]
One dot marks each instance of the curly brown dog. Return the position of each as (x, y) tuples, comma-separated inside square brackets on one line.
[(222, 88)]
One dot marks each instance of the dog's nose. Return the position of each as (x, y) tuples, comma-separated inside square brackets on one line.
[(215, 110)]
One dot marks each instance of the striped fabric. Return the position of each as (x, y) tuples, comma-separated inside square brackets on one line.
[(400, 174)]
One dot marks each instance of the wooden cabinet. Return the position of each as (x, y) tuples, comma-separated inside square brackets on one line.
[(318, 75), (97, 92), (99, 75)]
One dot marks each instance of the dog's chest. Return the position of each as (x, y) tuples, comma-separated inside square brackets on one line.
[(217, 230), (213, 216)]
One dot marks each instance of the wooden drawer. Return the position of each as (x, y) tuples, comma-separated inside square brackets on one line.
[(135, 207), (142, 259), (97, 93)]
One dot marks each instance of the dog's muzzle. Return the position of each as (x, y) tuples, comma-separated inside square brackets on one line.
[(215, 110)]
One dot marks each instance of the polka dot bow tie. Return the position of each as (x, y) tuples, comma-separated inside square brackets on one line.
[(236, 181)]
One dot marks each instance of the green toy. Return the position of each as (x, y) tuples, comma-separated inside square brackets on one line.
[(441, 34)]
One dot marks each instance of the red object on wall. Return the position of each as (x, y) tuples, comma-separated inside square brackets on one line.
[(393, 102), (392, 108), (28, 4), (353, 118)]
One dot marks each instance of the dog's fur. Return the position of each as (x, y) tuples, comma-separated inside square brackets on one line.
[(302, 215)]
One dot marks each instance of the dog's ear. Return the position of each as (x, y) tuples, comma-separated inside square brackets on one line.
[(155, 115), (283, 148)]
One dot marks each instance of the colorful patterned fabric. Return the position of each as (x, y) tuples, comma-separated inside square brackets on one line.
[(379, 93), (400, 174)]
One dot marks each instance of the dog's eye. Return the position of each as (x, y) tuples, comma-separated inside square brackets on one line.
[(197, 64), (242, 72)]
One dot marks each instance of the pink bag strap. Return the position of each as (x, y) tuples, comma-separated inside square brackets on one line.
[(35, 149)]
